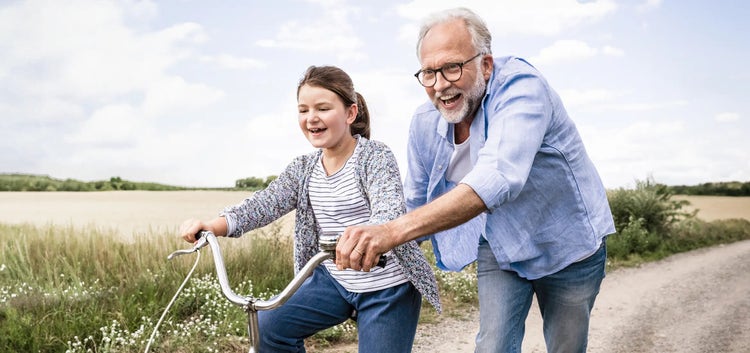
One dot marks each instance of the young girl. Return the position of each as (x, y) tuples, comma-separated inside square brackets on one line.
[(348, 180)]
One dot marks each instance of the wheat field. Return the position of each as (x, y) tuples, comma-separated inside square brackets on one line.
[(718, 207), (128, 213), (132, 213)]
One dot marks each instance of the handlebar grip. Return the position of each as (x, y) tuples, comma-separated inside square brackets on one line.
[(201, 233), (382, 261)]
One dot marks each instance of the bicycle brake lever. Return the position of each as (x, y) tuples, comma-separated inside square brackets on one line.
[(200, 242)]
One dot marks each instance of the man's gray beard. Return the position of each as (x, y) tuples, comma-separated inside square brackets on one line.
[(471, 100)]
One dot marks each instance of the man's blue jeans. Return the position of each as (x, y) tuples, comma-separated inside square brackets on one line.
[(386, 319), (565, 300)]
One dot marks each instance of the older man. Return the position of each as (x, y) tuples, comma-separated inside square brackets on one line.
[(497, 172)]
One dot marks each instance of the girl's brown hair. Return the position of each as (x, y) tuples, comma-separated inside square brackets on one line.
[(337, 81)]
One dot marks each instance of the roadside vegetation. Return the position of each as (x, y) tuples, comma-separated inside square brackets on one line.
[(66, 289)]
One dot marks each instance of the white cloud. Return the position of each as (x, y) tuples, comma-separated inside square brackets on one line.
[(612, 51), (510, 17), (639, 150), (571, 50), (233, 62), (671, 151), (110, 126), (564, 50), (575, 98), (84, 50), (599, 99), (104, 82), (173, 95), (648, 5), (727, 117), (645, 106), (332, 31)]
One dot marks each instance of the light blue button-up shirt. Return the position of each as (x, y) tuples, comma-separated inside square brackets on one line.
[(547, 206)]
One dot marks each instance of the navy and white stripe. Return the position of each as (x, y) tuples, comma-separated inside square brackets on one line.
[(337, 204)]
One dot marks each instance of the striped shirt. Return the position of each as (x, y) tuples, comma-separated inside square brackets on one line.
[(337, 204), (379, 183)]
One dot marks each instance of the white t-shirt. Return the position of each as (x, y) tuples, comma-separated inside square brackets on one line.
[(460, 164)]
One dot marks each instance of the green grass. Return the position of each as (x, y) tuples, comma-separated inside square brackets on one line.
[(71, 289), (66, 289)]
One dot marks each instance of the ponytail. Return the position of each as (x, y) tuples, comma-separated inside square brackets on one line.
[(361, 124)]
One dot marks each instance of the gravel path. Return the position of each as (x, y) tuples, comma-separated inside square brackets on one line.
[(692, 302)]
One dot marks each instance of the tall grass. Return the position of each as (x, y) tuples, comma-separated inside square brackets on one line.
[(63, 288), (67, 289)]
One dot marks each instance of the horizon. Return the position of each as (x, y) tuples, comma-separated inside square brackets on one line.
[(266, 176)]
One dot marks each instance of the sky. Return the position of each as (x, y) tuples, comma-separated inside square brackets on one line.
[(203, 93)]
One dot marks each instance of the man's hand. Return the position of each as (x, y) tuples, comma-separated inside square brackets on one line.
[(360, 247)]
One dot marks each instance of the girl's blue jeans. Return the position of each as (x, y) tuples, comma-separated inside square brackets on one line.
[(565, 299), (386, 319)]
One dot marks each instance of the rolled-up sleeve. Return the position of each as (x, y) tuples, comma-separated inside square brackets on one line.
[(516, 118)]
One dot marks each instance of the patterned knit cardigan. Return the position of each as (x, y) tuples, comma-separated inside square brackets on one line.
[(380, 185)]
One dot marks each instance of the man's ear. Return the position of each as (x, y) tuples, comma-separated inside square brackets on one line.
[(488, 63)]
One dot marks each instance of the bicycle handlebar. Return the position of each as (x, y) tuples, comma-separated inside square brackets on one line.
[(327, 245), (327, 251), (208, 238)]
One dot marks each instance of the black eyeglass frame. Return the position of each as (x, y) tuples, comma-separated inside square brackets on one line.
[(440, 70)]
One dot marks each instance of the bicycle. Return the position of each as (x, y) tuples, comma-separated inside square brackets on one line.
[(251, 305)]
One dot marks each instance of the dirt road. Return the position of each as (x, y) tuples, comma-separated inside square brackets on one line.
[(692, 302)]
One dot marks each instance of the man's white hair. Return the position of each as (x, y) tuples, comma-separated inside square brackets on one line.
[(480, 35)]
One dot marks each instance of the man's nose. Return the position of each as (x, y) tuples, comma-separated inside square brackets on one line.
[(441, 83)]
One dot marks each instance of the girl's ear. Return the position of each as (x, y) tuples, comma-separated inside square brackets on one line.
[(352, 114)]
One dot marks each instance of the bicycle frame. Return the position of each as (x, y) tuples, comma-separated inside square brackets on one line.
[(249, 304)]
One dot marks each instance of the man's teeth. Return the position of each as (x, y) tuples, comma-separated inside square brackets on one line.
[(447, 98)]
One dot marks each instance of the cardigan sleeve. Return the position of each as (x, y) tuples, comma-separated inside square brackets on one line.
[(267, 205)]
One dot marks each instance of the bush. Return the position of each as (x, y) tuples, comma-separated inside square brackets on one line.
[(650, 225), (650, 204)]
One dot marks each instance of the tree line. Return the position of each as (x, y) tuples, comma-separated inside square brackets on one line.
[(732, 188), (33, 182)]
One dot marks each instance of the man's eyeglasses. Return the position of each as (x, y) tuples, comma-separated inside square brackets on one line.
[(451, 72)]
